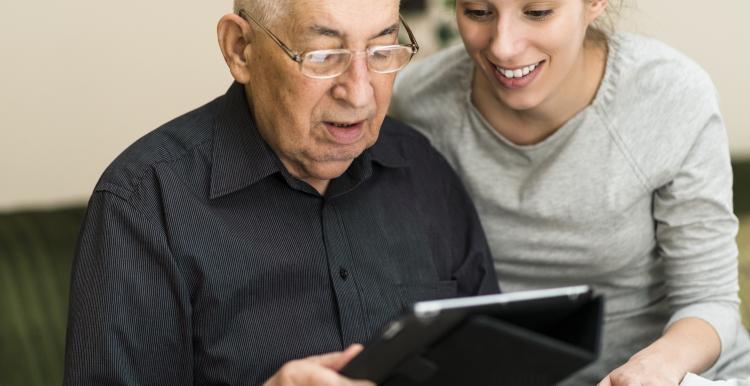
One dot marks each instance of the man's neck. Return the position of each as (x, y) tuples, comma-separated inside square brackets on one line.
[(321, 186)]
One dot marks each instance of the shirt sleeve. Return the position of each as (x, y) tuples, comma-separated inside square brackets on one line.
[(696, 230), (129, 315)]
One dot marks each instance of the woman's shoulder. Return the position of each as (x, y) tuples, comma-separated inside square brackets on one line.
[(650, 67), (442, 79), (656, 100), (647, 82), (452, 65)]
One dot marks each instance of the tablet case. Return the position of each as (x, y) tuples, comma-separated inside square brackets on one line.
[(537, 346)]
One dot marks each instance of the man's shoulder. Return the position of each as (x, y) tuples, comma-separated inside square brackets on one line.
[(175, 141), (397, 133), (397, 130), (411, 145)]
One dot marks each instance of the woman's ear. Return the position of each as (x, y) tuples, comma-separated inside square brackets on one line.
[(595, 8), (234, 35)]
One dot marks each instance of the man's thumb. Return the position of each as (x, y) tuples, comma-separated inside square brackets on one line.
[(337, 360)]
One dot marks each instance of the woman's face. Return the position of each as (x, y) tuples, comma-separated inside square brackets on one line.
[(527, 51)]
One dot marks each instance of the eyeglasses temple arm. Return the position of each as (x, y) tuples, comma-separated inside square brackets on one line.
[(414, 44), (292, 55)]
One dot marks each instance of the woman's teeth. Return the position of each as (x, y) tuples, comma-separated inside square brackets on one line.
[(517, 73)]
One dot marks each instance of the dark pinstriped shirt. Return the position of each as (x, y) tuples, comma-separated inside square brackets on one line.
[(203, 261)]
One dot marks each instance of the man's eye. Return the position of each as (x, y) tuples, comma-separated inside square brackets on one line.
[(538, 14), (318, 57), (381, 55), (477, 13)]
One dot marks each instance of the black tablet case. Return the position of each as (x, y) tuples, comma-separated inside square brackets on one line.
[(539, 344)]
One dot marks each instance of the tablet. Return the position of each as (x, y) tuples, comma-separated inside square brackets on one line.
[(538, 336)]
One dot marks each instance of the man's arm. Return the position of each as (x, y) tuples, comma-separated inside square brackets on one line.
[(129, 318), (474, 271)]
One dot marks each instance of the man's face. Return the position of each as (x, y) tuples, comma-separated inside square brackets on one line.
[(318, 126)]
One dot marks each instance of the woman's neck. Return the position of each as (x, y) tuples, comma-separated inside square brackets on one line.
[(531, 126)]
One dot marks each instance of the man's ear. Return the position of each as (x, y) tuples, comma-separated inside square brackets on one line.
[(595, 9), (234, 35)]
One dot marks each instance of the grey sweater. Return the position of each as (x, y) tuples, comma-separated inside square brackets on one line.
[(633, 195)]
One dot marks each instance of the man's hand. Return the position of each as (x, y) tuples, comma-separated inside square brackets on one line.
[(319, 370)]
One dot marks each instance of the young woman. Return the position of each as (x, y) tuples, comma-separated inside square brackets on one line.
[(596, 158)]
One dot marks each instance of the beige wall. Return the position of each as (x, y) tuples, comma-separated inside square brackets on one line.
[(82, 79)]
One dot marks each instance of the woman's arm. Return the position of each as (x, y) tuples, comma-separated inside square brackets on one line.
[(695, 236), (688, 345)]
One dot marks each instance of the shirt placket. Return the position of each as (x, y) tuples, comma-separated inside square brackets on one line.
[(343, 275)]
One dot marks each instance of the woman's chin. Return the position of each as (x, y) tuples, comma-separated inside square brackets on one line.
[(520, 102)]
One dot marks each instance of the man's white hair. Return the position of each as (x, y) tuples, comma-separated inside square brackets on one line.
[(266, 12)]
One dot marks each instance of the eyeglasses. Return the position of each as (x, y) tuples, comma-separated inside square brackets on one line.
[(325, 64)]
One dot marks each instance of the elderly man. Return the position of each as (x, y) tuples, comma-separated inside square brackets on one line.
[(284, 220)]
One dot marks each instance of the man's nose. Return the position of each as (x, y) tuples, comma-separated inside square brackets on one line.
[(353, 86)]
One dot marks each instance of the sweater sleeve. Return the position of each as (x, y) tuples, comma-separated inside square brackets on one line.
[(696, 230)]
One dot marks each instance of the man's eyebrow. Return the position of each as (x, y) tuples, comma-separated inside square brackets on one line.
[(325, 31), (330, 32), (388, 31)]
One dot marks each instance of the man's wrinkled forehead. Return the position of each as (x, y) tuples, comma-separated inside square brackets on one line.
[(345, 19)]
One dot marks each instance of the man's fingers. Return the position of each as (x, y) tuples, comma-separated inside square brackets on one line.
[(361, 383), (337, 360), (318, 370), (605, 382), (348, 354)]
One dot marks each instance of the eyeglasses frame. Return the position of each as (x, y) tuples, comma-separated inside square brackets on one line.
[(299, 57)]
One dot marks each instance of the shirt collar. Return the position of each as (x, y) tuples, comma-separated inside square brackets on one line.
[(241, 157)]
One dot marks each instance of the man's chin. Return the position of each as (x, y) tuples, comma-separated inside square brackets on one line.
[(329, 169), (331, 164)]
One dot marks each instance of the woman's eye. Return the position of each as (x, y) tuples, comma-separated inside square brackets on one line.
[(539, 14), (477, 13)]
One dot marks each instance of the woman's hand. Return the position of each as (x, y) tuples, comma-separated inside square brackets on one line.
[(645, 368), (319, 370), (688, 345)]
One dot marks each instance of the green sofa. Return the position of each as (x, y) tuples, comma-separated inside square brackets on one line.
[(36, 248)]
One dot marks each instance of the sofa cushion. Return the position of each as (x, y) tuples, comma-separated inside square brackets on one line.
[(36, 251)]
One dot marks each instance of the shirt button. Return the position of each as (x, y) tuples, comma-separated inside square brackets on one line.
[(343, 273)]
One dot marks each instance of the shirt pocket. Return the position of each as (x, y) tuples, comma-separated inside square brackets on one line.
[(416, 292)]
